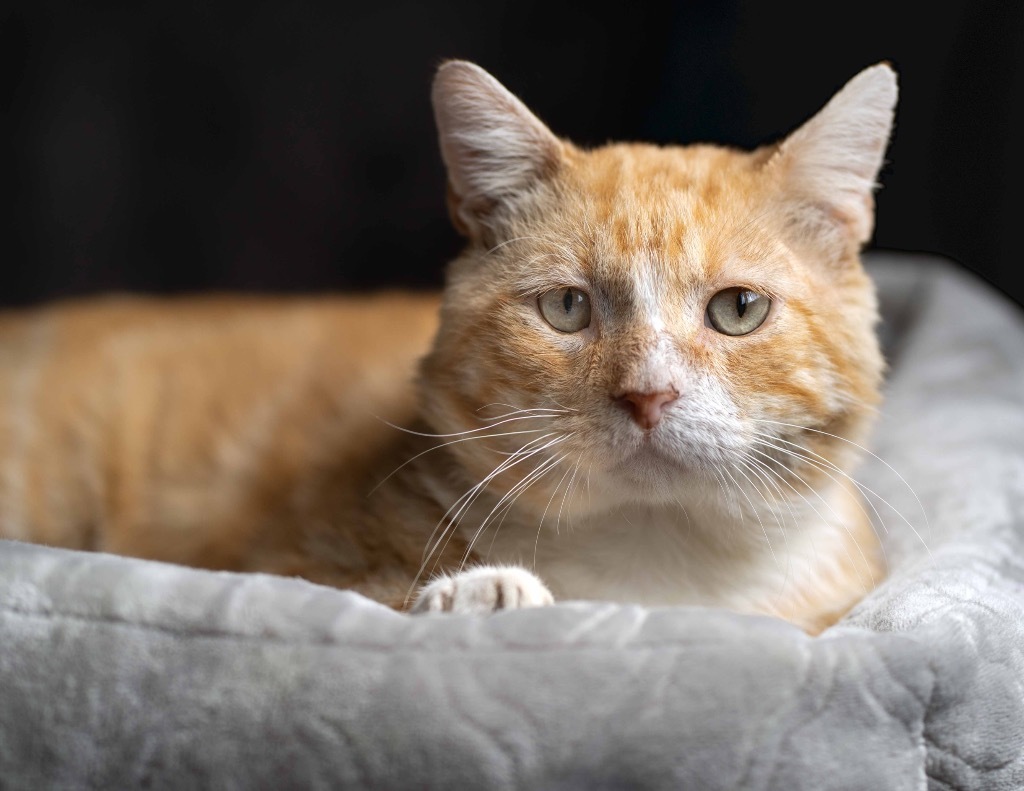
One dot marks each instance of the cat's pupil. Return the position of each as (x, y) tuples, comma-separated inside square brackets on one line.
[(567, 300), (741, 303)]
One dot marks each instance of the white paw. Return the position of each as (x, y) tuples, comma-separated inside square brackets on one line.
[(483, 589)]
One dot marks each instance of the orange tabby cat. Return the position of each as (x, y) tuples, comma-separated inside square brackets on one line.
[(648, 373)]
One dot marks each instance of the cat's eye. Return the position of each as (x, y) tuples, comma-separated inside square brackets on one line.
[(566, 309), (738, 311)]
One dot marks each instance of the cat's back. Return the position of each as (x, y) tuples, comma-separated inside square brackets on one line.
[(114, 322), (165, 412), (356, 345)]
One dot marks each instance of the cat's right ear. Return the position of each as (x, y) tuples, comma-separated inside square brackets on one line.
[(493, 147), (830, 163)]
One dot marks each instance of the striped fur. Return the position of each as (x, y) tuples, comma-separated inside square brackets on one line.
[(378, 443)]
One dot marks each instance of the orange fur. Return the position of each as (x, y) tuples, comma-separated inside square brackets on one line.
[(250, 434)]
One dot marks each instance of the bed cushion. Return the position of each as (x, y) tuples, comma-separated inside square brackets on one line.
[(122, 673)]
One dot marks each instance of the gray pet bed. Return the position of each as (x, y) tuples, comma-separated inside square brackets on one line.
[(120, 673)]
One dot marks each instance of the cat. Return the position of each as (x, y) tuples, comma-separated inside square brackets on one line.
[(647, 380)]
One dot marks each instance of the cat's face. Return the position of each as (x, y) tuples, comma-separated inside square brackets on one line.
[(661, 310)]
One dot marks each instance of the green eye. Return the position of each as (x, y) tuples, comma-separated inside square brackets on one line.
[(738, 311), (566, 309)]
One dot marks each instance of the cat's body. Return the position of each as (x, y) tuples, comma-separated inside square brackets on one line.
[(652, 368), (214, 432)]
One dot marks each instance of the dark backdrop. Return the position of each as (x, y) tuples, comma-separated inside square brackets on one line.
[(289, 146)]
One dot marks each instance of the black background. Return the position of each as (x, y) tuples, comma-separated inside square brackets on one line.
[(290, 146)]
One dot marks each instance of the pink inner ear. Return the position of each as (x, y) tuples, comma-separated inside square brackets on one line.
[(491, 143), (832, 160)]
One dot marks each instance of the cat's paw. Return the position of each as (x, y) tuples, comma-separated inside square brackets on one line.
[(482, 590)]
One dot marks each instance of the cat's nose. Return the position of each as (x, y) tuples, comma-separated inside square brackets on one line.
[(647, 408)]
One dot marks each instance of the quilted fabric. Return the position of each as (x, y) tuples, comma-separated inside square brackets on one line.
[(121, 673)]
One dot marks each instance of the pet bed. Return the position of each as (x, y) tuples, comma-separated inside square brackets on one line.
[(122, 673)]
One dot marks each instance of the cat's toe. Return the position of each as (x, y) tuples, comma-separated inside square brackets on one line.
[(484, 589)]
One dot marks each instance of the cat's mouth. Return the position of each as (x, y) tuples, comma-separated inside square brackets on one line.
[(651, 461), (660, 459)]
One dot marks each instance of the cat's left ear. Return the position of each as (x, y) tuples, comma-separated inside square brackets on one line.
[(493, 147), (829, 165)]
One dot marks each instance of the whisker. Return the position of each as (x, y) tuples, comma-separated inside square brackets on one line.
[(462, 505), (689, 524), (860, 487), (563, 406), (533, 477), (579, 491), (824, 466), (568, 488), (757, 469), (910, 488), (736, 487), (538, 472), (756, 513), (552, 497), (523, 414), (863, 488), (771, 476), (478, 490), (838, 520), (721, 482), (514, 493), (515, 410), (745, 462), (467, 497), (460, 433), (383, 480)]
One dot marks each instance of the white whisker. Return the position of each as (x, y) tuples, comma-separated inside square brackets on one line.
[(461, 506), (475, 492), (756, 514), (468, 496), (752, 466), (579, 490), (460, 433), (823, 465), (910, 488), (838, 520), (552, 497), (764, 474), (383, 480), (538, 472), (514, 410), (565, 494), (864, 490), (881, 544), (513, 493)]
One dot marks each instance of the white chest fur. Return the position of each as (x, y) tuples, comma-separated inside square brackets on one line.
[(664, 555)]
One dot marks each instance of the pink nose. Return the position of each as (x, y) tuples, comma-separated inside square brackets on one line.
[(647, 408)]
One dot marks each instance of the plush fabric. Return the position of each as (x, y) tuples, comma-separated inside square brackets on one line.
[(121, 673)]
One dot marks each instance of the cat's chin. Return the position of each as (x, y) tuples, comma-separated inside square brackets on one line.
[(654, 475)]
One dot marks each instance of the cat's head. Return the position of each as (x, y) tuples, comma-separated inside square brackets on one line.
[(650, 314)]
